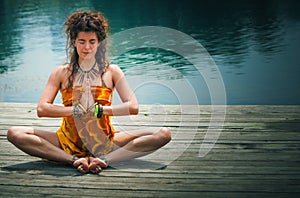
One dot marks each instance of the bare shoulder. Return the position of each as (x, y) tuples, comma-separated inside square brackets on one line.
[(112, 75), (63, 68), (59, 71), (115, 70), (60, 74)]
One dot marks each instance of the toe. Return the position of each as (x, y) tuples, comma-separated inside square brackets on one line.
[(96, 165), (81, 165)]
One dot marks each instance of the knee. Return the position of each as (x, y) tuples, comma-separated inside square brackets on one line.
[(165, 134), (11, 134), (14, 135)]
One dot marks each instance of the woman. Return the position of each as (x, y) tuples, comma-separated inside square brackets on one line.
[(86, 138)]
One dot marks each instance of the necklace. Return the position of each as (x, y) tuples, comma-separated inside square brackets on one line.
[(88, 74)]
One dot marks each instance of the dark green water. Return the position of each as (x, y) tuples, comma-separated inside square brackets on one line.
[(254, 44)]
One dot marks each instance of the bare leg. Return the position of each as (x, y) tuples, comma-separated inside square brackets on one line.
[(129, 145), (138, 143), (43, 144), (38, 143)]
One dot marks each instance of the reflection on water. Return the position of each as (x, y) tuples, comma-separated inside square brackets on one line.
[(155, 59), (254, 43)]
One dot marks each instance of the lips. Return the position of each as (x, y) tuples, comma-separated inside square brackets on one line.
[(86, 54)]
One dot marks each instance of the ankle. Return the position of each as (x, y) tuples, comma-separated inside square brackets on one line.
[(103, 158), (74, 158)]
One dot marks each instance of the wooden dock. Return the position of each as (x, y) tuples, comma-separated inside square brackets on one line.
[(257, 154)]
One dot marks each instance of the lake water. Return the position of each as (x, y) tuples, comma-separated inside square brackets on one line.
[(254, 45)]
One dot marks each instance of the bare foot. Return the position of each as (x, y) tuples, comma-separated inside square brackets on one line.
[(82, 165), (96, 165)]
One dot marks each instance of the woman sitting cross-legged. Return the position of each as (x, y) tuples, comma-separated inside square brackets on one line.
[(86, 138)]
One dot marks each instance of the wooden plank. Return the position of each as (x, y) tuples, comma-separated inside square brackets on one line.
[(256, 154)]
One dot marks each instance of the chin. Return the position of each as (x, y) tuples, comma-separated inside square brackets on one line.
[(87, 56)]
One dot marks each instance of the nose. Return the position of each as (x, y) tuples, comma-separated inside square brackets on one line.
[(87, 46)]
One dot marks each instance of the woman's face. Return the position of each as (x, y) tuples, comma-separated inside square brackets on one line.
[(86, 44)]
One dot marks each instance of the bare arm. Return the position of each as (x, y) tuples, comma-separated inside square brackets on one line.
[(46, 108), (130, 105)]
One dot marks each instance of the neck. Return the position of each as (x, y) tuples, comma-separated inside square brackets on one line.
[(86, 64)]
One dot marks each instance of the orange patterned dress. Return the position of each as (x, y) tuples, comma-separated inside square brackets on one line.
[(86, 136)]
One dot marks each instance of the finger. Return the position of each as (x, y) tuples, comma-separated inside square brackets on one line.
[(82, 108)]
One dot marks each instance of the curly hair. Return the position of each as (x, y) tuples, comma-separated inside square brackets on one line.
[(86, 21)]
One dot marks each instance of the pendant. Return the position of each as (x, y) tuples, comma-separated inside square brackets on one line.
[(90, 74)]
